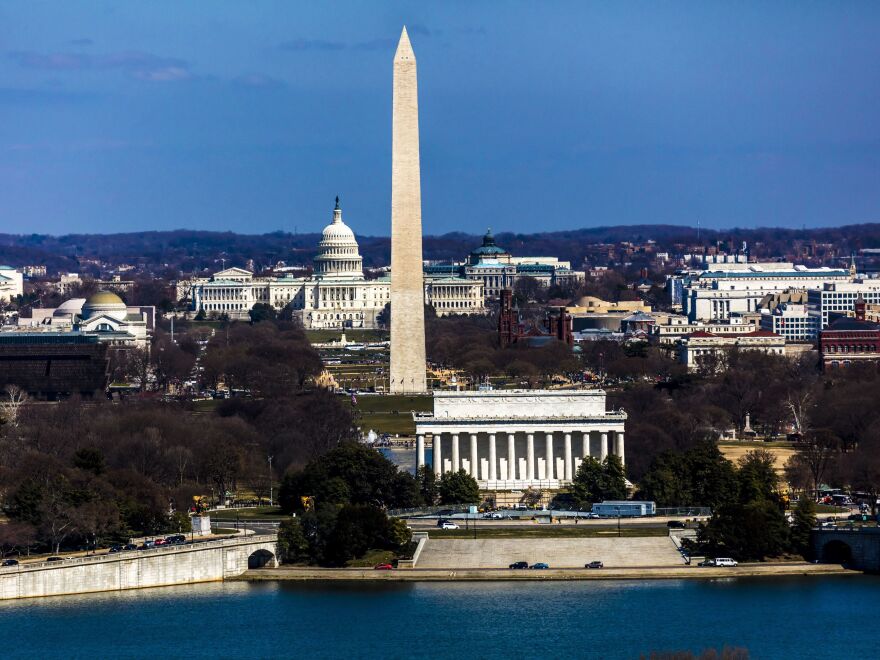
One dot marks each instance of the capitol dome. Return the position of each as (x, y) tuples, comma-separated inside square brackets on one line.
[(338, 256), (104, 303)]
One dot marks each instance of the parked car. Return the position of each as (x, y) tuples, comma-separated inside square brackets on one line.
[(146, 545), (129, 546), (519, 564), (176, 539), (159, 542), (540, 566), (449, 525), (115, 548), (9, 562), (383, 567), (594, 564), (54, 559), (589, 514), (719, 561), (676, 524)]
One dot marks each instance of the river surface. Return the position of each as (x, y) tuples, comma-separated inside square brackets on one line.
[(828, 617)]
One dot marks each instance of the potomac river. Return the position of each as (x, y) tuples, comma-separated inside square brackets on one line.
[(826, 617)]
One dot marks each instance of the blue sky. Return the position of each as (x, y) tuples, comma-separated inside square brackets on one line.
[(252, 116)]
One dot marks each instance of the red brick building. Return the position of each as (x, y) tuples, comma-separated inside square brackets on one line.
[(850, 340)]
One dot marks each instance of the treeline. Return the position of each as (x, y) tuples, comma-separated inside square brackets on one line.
[(76, 473), (190, 251)]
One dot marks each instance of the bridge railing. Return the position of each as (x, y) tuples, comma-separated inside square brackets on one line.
[(146, 552)]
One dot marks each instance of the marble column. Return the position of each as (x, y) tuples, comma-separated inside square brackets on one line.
[(493, 468), (438, 454), (549, 469), (618, 446), (511, 456), (567, 455), (420, 451), (530, 455), (603, 446), (475, 461), (455, 458), (585, 444)]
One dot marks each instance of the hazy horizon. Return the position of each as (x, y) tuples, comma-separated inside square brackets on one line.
[(120, 117)]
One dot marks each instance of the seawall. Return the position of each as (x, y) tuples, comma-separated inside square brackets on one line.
[(210, 561), (502, 574)]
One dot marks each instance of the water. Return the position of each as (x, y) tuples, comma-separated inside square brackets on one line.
[(831, 617)]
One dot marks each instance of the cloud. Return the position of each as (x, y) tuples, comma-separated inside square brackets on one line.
[(135, 64), (376, 44), (311, 44)]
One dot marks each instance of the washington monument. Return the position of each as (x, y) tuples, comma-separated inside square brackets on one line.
[(407, 278)]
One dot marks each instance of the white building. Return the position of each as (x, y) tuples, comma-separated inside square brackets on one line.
[(705, 349), (792, 321), (497, 269), (512, 439), (715, 295), (337, 295), (103, 314), (11, 284), (840, 297)]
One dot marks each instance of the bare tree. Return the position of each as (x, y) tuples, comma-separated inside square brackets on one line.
[(11, 403)]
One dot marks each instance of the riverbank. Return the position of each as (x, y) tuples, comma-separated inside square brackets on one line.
[(307, 574)]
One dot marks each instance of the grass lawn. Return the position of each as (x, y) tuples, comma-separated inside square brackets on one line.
[(255, 513), (372, 558), (378, 412), (828, 508), (324, 336), (223, 530), (547, 531), (206, 405)]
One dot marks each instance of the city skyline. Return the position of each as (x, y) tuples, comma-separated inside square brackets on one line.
[(126, 118)]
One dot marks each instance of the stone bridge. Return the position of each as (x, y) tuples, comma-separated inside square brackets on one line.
[(858, 547), (207, 561)]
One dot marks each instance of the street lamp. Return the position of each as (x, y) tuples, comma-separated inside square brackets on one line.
[(270, 481), (618, 521)]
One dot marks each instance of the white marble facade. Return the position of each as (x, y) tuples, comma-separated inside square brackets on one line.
[(513, 439)]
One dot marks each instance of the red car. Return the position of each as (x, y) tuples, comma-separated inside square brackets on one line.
[(160, 542), (383, 567)]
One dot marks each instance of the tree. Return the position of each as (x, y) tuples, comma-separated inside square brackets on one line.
[(427, 484), (12, 398), (262, 312), (459, 488), (804, 521), (816, 449), (595, 481), (293, 546)]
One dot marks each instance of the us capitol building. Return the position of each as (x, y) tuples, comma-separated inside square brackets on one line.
[(337, 295)]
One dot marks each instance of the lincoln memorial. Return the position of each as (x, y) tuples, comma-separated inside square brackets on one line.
[(511, 439)]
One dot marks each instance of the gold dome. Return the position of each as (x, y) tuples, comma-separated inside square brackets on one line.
[(104, 298)]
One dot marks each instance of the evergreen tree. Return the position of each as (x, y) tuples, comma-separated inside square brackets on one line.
[(427, 482), (804, 521), (459, 488)]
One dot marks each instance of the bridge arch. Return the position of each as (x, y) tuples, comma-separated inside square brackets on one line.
[(262, 558), (836, 552)]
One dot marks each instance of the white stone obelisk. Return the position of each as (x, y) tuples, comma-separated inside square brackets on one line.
[(407, 279)]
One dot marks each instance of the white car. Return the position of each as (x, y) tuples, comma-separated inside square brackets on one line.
[(725, 561), (449, 525)]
